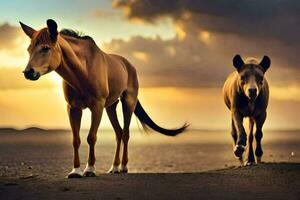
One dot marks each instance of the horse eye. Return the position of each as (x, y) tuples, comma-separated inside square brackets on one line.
[(45, 49), (242, 80), (259, 79)]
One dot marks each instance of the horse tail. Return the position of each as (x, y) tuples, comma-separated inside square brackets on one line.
[(146, 122)]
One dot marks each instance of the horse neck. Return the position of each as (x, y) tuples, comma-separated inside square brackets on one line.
[(71, 69)]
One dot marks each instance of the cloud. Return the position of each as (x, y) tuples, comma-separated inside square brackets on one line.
[(208, 35), (253, 18), (10, 36), (170, 62), (13, 44), (202, 60), (103, 13)]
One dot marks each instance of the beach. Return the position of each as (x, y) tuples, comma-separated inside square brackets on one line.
[(196, 164)]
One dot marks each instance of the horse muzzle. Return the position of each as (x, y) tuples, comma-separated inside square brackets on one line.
[(31, 74), (252, 93)]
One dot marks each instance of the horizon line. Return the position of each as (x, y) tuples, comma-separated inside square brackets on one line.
[(38, 128)]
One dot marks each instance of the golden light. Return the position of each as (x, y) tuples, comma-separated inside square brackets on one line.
[(286, 93), (140, 56), (55, 79), (205, 37), (181, 34), (171, 50)]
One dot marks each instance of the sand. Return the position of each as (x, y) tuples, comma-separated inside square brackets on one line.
[(266, 181), (197, 165)]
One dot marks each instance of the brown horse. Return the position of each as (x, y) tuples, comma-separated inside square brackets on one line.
[(246, 94), (91, 79)]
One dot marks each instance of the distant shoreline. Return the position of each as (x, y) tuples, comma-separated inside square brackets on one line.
[(40, 129)]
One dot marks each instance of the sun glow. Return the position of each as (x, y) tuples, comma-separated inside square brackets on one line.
[(205, 37), (140, 55), (56, 79)]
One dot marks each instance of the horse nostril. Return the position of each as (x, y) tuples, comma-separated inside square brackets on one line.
[(31, 70), (252, 91), (29, 73)]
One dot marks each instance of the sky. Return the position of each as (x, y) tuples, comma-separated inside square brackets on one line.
[(182, 50)]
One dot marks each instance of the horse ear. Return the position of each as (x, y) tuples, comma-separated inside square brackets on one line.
[(52, 28), (238, 62), (27, 30), (265, 63)]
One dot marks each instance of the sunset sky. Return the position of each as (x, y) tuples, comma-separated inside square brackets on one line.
[(182, 50)]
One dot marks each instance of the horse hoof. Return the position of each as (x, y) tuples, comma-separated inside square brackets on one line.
[(241, 161), (75, 173), (239, 150), (124, 169), (89, 174), (114, 170), (74, 176), (89, 171), (258, 160)]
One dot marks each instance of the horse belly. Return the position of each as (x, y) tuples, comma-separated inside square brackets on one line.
[(117, 86)]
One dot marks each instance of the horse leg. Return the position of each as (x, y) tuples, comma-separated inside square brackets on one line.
[(241, 135), (258, 136), (251, 159), (75, 120), (128, 105), (233, 133), (96, 111), (234, 137), (112, 115)]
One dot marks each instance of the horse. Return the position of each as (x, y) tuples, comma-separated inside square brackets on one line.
[(92, 79), (246, 94)]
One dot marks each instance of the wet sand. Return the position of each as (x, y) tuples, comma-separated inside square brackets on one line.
[(33, 165)]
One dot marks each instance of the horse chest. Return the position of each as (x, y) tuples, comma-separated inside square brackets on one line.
[(248, 109), (78, 101)]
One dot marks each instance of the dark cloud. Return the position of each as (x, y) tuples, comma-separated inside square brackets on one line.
[(270, 18), (209, 34), (191, 62), (170, 62)]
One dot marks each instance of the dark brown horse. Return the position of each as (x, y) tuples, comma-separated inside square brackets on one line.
[(246, 94), (94, 80)]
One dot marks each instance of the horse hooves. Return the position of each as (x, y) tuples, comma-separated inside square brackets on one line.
[(74, 175), (239, 150), (124, 171), (89, 174), (113, 170)]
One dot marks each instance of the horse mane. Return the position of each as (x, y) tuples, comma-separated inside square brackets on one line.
[(75, 34)]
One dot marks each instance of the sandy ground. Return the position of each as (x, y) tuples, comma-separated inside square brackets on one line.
[(267, 181), (33, 165)]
